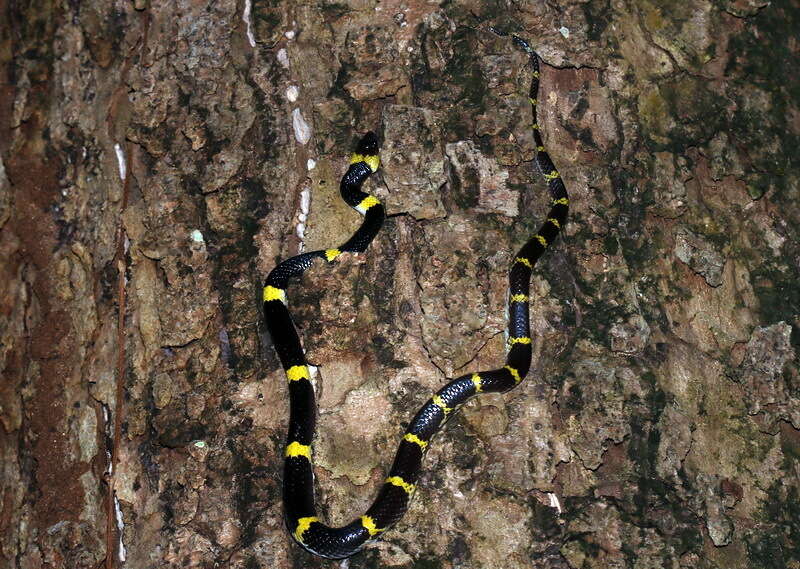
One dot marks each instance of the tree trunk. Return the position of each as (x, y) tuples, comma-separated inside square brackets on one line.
[(159, 158)]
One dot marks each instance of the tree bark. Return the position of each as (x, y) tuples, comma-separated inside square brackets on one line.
[(157, 159)]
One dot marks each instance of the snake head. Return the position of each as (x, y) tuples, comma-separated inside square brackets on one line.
[(368, 145)]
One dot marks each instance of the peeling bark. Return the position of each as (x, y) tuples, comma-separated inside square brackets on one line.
[(157, 160)]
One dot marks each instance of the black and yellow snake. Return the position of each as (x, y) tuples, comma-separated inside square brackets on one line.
[(395, 494)]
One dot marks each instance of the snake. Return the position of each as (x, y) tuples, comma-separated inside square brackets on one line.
[(394, 496)]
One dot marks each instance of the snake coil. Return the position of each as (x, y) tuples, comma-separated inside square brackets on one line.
[(395, 494)]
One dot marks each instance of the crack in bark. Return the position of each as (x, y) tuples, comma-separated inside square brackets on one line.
[(478, 351), (421, 334), (120, 259)]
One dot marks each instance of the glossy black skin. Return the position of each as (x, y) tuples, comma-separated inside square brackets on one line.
[(392, 501), (298, 477)]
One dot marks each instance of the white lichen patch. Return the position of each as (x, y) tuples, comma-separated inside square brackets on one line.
[(302, 217), (305, 200), (554, 502), (302, 130), (248, 6), (292, 92), (283, 58), (123, 169), (120, 529)]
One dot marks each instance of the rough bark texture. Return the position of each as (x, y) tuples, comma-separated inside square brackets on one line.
[(659, 426)]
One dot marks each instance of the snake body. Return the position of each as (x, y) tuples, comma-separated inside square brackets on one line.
[(399, 486)]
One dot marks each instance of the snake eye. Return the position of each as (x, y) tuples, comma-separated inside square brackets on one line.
[(368, 145)]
